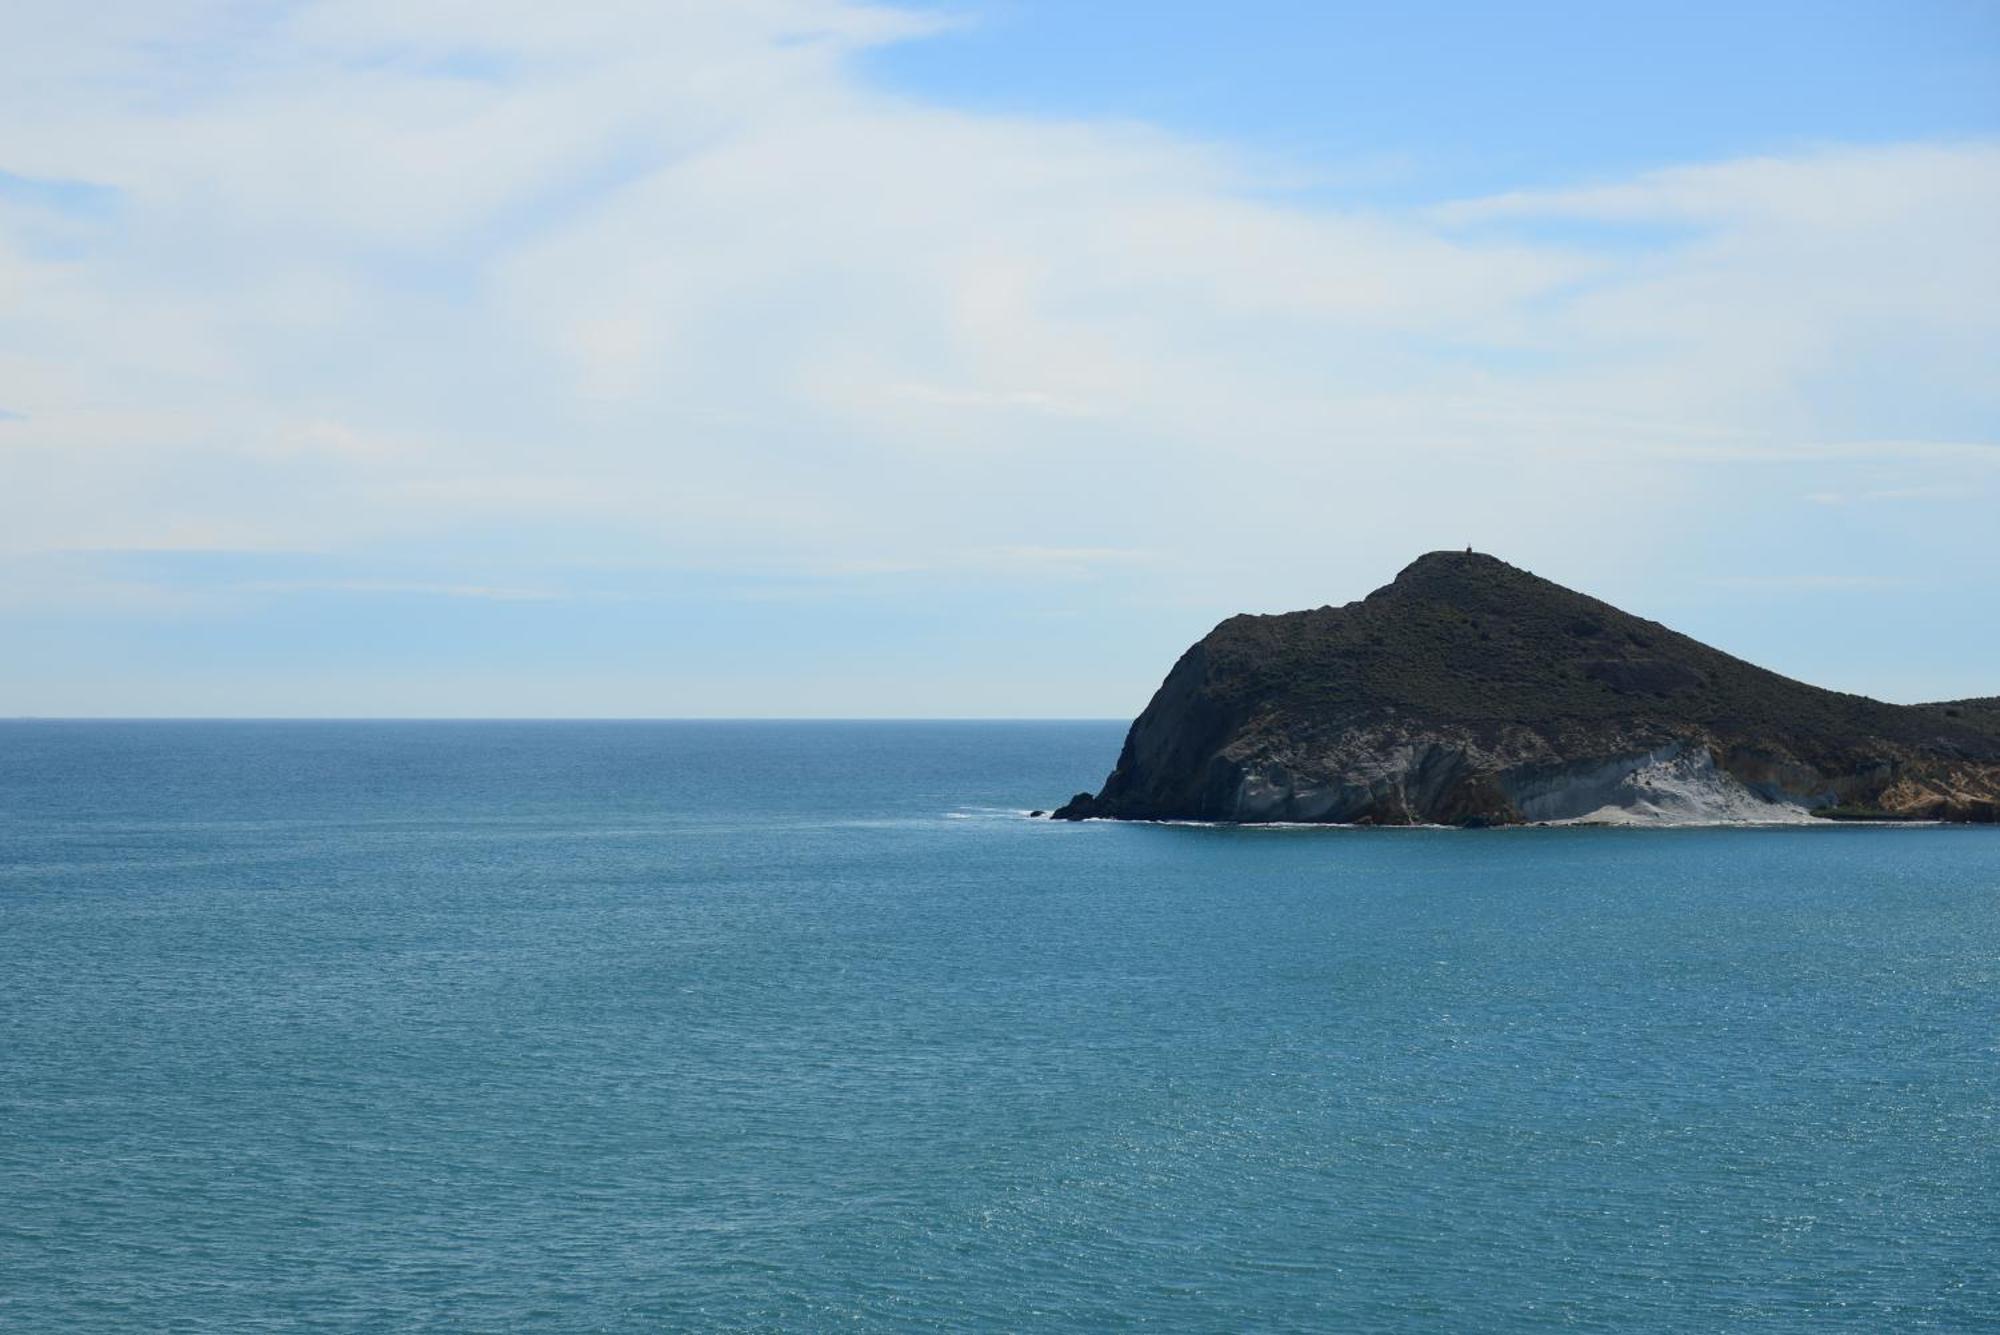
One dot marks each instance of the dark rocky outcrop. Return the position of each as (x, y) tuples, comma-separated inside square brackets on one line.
[(1469, 692)]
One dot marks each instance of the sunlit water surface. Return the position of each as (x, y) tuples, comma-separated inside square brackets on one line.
[(803, 1026)]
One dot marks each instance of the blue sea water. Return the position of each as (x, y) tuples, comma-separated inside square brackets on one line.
[(646, 1026)]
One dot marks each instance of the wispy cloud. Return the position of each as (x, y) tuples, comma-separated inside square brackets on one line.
[(405, 588), (1934, 492), (1794, 583), (675, 285), (1064, 561)]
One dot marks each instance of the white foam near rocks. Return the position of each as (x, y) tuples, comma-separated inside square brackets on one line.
[(1670, 786)]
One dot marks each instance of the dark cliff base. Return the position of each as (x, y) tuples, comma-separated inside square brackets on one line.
[(1469, 692)]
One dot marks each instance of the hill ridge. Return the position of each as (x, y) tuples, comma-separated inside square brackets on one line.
[(1470, 691)]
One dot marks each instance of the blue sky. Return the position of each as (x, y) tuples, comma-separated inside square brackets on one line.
[(1428, 100), (793, 357)]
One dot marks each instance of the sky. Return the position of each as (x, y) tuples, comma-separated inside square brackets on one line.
[(808, 358)]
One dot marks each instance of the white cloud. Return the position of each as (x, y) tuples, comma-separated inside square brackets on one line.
[(405, 588), (1831, 189), (672, 283)]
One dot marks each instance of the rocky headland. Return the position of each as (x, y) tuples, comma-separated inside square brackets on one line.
[(1469, 692)]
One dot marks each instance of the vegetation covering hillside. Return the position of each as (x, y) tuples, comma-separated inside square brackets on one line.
[(1512, 670)]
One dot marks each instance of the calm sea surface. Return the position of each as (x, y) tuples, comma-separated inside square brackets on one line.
[(635, 1026)]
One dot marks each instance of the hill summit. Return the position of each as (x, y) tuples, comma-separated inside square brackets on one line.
[(1471, 692)]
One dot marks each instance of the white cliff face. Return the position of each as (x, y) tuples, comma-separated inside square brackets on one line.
[(1373, 772), (1673, 785)]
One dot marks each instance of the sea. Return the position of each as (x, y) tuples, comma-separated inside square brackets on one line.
[(637, 1026)]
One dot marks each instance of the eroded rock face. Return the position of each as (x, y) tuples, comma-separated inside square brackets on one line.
[(1470, 692)]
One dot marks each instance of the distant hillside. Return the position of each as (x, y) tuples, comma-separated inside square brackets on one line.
[(1472, 692)]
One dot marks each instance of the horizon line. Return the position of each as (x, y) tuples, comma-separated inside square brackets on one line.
[(562, 718)]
